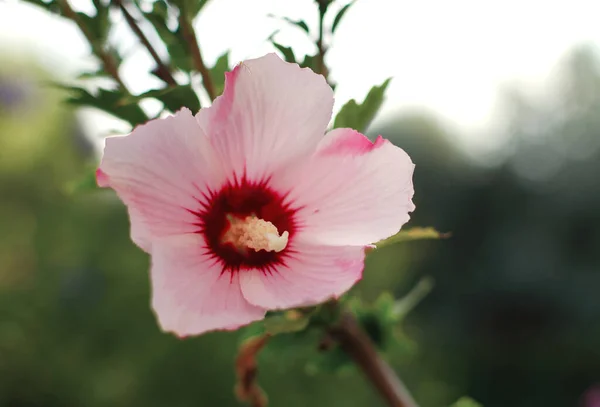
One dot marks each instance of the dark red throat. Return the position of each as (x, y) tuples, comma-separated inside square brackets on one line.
[(240, 199)]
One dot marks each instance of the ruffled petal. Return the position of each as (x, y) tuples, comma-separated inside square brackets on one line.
[(271, 112), (190, 294), (162, 172), (352, 191), (311, 275)]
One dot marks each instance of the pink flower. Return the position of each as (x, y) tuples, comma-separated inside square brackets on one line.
[(591, 397), (247, 207)]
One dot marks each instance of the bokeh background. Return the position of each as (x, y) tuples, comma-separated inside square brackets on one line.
[(499, 107)]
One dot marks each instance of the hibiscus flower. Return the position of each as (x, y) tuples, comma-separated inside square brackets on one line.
[(249, 206)]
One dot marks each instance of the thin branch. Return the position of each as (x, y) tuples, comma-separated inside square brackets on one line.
[(321, 47), (194, 48), (355, 342), (162, 71), (109, 63), (247, 388)]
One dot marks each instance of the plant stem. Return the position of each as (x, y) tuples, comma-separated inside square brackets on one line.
[(247, 388), (321, 47), (162, 71), (190, 38), (355, 342), (109, 63)]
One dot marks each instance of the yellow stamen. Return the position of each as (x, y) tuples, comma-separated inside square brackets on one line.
[(254, 233)]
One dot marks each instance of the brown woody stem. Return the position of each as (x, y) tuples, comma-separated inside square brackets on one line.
[(194, 48), (355, 342), (109, 63), (247, 388), (322, 50), (162, 70)]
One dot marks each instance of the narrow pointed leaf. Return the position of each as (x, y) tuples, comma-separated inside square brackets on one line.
[(110, 101), (298, 23), (285, 323), (416, 233), (359, 116), (50, 6), (340, 15), (175, 97), (173, 40), (406, 304), (287, 52)]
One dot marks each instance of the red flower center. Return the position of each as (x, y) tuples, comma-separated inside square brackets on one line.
[(239, 200)]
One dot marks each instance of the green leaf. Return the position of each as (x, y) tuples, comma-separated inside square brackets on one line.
[(323, 6), (340, 15), (466, 402), (291, 321), (359, 116), (381, 320), (310, 61), (190, 8), (174, 97), (402, 307), (110, 101), (100, 73), (416, 233), (298, 23), (99, 24), (332, 361), (287, 52), (51, 6), (217, 72), (384, 305), (173, 40)]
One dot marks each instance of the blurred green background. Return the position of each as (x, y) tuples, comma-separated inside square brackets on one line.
[(512, 320)]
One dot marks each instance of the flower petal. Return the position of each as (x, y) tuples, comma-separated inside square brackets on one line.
[(312, 275), (270, 112), (352, 191), (190, 294), (161, 171)]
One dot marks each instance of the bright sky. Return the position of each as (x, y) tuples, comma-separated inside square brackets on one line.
[(450, 57)]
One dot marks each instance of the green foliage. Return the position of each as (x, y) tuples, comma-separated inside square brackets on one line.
[(297, 23), (174, 97), (51, 6), (173, 40), (359, 116), (99, 25), (310, 61), (466, 402), (416, 233), (323, 6), (99, 73), (382, 319), (286, 322), (114, 102), (190, 8), (332, 360), (402, 307), (340, 15), (217, 72), (287, 52)]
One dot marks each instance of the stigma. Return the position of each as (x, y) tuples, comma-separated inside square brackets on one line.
[(254, 233)]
